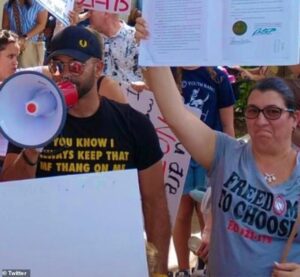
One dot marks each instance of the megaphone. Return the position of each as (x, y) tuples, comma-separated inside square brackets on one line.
[(33, 108)]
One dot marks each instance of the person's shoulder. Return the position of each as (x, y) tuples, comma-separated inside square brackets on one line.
[(111, 102), (122, 107), (237, 143), (127, 27), (220, 73), (124, 110), (38, 69), (127, 30), (37, 6)]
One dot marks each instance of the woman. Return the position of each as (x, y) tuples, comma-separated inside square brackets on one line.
[(28, 19), (255, 186), (9, 51), (207, 92)]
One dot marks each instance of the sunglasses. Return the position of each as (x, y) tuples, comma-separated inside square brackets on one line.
[(269, 112), (74, 67)]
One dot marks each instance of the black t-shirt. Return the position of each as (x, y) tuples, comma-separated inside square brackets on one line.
[(116, 137)]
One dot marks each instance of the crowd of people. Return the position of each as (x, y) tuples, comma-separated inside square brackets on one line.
[(254, 185)]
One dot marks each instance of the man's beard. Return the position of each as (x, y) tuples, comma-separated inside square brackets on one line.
[(84, 88)]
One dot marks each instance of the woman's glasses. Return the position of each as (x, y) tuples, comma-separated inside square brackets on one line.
[(269, 112), (74, 67)]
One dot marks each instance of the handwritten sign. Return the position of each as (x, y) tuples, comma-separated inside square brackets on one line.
[(176, 159), (58, 8), (76, 225), (112, 6)]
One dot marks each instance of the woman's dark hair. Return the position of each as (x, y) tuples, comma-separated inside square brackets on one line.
[(7, 37), (280, 86), (294, 84), (177, 74), (27, 3)]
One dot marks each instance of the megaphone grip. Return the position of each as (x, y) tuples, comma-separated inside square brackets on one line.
[(27, 160)]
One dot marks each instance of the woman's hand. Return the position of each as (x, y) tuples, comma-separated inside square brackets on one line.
[(286, 270), (22, 43), (139, 86), (141, 29), (204, 246)]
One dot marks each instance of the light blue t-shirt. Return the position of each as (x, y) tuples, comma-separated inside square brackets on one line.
[(251, 219), (28, 17)]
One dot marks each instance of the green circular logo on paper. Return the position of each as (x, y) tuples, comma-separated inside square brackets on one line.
[(239, 28)]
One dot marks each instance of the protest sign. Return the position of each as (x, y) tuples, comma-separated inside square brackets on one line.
[(58, 8), (112, 6), (76, 225), (176, 159)]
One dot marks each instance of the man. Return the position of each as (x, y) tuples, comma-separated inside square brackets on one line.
[(99, 135), (120, 50)]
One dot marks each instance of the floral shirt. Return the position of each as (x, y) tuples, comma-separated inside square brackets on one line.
[(121, 56)]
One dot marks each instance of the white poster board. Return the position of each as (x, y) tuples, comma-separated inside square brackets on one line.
[(112, 6), (83, 225), (218, 32), (58, 8), (176, 159)]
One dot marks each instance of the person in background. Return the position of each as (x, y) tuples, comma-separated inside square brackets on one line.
[(294, 84), (255, 185), (207, 92), (295, 71), (120, 50), (48, 32), (28, 19), (9, 51)]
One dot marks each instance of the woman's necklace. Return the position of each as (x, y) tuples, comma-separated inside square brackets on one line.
[(270, 178)]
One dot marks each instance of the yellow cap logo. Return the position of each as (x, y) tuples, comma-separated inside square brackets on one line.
[(83, 43)]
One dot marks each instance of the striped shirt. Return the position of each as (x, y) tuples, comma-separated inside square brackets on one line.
[(28, 17)]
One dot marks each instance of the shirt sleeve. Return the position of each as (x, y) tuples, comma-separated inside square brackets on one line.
[(148, 150), (38, 7)]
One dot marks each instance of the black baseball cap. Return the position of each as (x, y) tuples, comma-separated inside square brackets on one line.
[(77, 42)]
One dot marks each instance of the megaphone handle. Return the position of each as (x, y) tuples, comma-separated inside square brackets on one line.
[(34, 155)]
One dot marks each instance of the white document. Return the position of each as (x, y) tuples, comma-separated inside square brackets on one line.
[(211, 33), (78, 225), (58, 8)]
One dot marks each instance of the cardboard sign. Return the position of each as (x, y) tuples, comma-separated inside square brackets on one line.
[(112, 6), (58, 8), (76, 225), (176, 159)]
